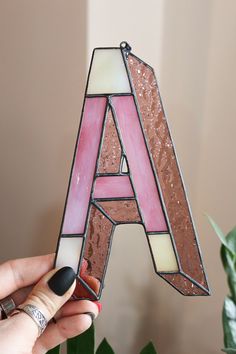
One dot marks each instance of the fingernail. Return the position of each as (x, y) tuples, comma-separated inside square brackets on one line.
[(99, 305), (62, 280), (91, 315)]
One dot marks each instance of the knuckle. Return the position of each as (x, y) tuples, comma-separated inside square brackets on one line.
[(44, 301), (16, 275)]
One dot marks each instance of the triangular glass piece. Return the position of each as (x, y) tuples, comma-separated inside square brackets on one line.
[(110, 155), (124, 165)]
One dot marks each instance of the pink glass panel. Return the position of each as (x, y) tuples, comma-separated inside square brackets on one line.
[(109, 161), (139, 163), (160, 145), (84, 165), (121, 210), (112, 187)]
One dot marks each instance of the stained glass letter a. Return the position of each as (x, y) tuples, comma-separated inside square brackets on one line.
[(125, 171)]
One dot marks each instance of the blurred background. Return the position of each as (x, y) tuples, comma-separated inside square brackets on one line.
[(45, 51)]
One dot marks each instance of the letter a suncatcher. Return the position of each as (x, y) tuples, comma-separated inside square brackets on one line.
[(125, 171)]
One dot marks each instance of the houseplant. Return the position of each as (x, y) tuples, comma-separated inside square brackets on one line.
[(85, 344), (228, 257)]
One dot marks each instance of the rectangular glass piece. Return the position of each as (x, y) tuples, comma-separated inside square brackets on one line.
[(97, 243), (121, 211), (139, 163), (164, 157), (84, 165), (163, 253), (69, 252), (112, 187), (108, 73)]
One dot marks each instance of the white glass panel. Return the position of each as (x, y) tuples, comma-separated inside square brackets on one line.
[(108, 73), (163, 253), (69, 252)]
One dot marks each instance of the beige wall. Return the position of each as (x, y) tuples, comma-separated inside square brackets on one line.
[(45, 51)]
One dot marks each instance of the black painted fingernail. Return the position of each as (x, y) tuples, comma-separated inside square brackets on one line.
[(62, 280)]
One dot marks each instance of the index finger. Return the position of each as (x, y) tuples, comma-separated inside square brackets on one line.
[(19, 273)]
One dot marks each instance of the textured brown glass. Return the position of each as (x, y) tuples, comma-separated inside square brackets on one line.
[(182, 284), (164, 159), (96, 252), (110, 157), (123, 211), (97, 242)]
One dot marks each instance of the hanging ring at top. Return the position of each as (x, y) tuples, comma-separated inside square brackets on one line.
[(125, 47)]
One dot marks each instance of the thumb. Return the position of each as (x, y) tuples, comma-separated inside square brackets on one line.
[(48, 296)]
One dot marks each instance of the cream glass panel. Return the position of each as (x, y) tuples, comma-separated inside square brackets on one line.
[(163, 253), (69, 252), (108, 73)]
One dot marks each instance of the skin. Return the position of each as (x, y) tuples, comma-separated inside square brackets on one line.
[(25, 280)]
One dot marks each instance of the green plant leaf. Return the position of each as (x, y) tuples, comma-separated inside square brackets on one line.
[(229, 261), (229, 266), (105, 348), (84, 343), (231, 240), (229, 350), (149, 349), (229, 323), (220, 234), (55, 350)]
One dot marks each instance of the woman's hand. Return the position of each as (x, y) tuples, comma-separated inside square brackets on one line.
[(19, 333)]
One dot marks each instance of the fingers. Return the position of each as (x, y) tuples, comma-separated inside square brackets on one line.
[(79, 307), (53, 290), (65, 328), (19, 273), (50, 293), (77, 320), (72, 319), (20, 295)]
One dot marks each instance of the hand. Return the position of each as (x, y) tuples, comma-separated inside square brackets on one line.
[(19, 333)]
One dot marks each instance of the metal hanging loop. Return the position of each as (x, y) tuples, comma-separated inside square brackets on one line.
[(126, 48)]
